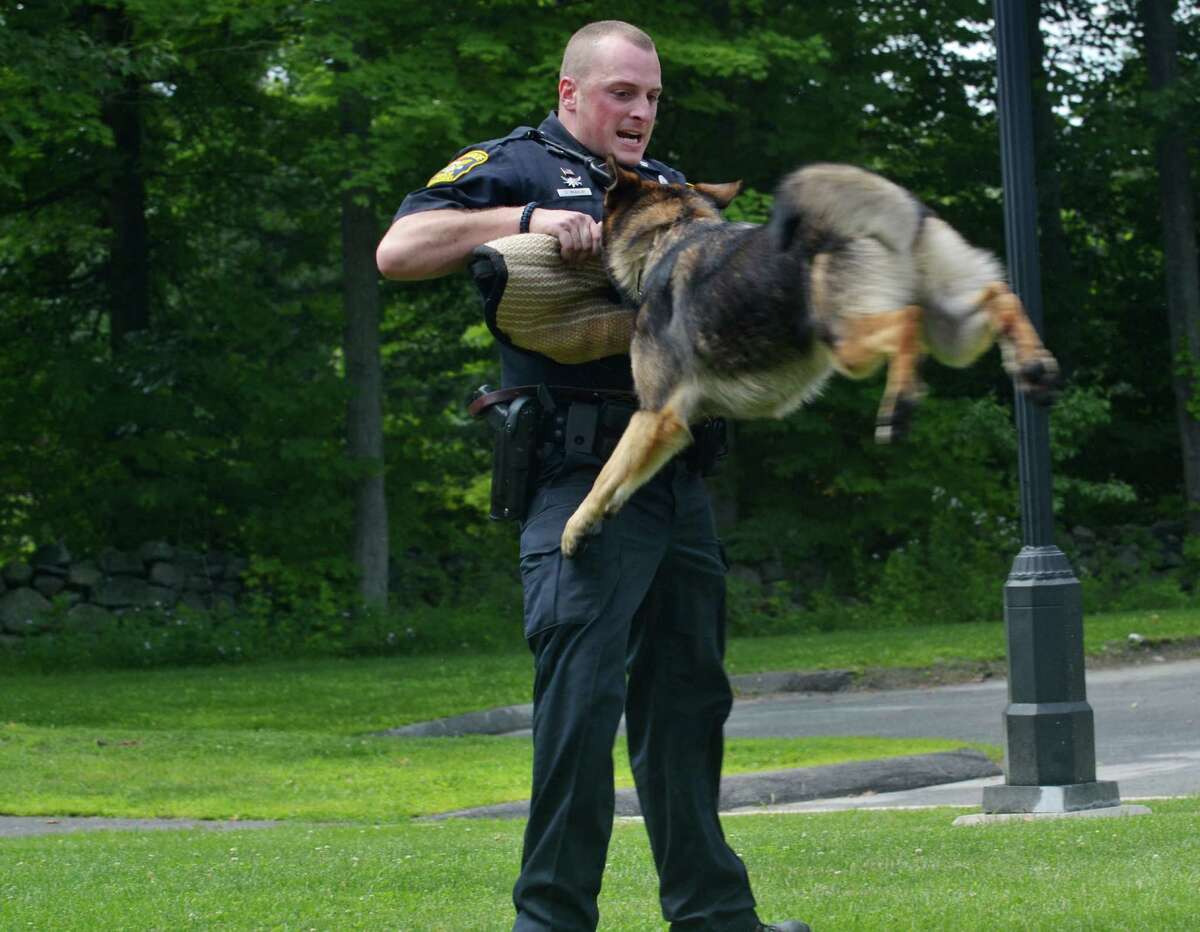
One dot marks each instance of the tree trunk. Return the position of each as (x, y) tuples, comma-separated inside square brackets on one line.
[(364, 373), (1182, 267), (1059, 291), (129, 262)]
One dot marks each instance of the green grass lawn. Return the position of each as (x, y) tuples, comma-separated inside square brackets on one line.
[(922, 646), (908, 870), (290, 740), (220, 774), (347, 697)]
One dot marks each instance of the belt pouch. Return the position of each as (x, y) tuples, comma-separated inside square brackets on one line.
[(580, 429), (614, 418)]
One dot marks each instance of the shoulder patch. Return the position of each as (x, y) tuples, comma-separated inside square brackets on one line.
[(459, 167)]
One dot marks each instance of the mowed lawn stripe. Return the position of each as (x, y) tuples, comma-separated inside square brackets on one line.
[(281, 775), (841, 871)]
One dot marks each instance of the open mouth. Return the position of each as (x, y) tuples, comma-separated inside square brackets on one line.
[(629, 135)]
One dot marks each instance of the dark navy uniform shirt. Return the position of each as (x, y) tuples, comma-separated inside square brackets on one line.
[(550, 166)]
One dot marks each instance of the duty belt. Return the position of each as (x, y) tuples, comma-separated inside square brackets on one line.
[(536, 425), (574, 420), (556, 393), (588, 421)]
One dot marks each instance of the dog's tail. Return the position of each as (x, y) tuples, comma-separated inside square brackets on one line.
[(826, 202)]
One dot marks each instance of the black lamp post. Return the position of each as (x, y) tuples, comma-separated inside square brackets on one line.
[(1050, 742)]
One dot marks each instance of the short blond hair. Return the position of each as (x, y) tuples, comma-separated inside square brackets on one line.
[(578, 55)]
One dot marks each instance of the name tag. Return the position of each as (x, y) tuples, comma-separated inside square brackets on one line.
[(574, 192)]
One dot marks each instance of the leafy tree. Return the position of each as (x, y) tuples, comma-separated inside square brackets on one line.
[(194, 431), (190, 196), (1172, 98)]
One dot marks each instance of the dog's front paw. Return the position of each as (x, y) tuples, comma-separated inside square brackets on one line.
[(579, 527), (1040, 379)]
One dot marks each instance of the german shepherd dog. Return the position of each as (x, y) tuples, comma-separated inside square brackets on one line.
[(744, 321)]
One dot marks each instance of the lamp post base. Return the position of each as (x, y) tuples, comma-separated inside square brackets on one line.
[(1074, 797), (1112, 812)]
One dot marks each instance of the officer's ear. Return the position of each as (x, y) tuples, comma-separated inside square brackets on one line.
[(568, 88), (719, 194)]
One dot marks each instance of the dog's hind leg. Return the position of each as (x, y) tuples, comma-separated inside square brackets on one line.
[(904, 388), (864, 341), (1025, 358), (970, 307), (649, 441)]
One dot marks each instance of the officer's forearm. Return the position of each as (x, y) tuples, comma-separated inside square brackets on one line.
[(437, 242)]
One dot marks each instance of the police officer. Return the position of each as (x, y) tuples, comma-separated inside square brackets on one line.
[(635, 623)]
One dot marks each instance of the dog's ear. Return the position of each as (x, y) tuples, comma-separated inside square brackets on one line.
[(623, 180), (720, 194)]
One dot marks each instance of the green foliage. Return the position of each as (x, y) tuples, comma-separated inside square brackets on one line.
[(1191, 558), (144, 639), (277, 589), (291, 611), (917, 533), (750, 206), (221, 424), (1188, 368), (1114, 591), (847, 512), (953, 574)]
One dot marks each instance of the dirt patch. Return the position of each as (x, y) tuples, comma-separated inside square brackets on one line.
[(942, 674), (1126, 654)]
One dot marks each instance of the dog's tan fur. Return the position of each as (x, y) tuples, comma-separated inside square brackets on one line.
[(851, 273)]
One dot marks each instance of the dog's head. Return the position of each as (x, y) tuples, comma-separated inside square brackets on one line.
[(638, 212)]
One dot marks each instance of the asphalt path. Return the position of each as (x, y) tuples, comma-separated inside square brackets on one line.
[(1147, 722)]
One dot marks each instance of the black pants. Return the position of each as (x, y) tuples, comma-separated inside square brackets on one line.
[(645, 598)]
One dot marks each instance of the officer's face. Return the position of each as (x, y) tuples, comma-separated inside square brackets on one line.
[(611, 109)]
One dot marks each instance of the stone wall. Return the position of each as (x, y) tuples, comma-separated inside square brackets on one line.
[(92, 592), (1125, 550)]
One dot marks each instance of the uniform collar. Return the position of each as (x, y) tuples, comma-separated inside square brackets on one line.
[(552, 129)]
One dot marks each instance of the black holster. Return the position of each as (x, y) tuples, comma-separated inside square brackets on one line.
[(515, 427), (530, 427)]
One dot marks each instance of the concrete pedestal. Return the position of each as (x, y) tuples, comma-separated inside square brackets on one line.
[(1074, 797), (1111, 812)]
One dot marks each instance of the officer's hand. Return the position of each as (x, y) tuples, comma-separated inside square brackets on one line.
[(578, 234)]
